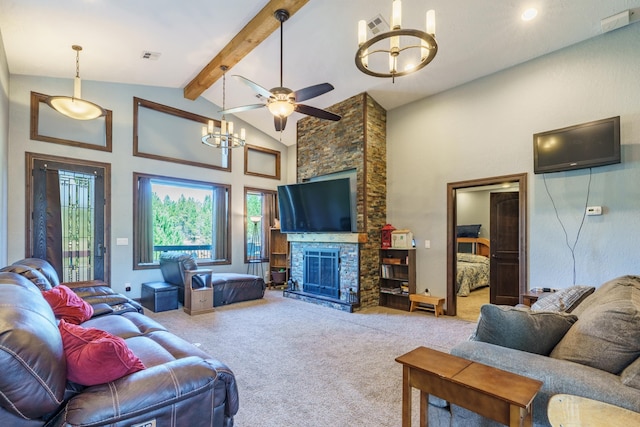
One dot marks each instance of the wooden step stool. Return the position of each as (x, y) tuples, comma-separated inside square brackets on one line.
[(434, 302)]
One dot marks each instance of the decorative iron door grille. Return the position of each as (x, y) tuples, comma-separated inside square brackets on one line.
[(76, 202), (322, 272)]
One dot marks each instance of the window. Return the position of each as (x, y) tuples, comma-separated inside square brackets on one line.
[(260, 213), (172, 214)]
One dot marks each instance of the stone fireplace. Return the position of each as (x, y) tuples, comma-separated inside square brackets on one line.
[(356, 142), (339, 251)]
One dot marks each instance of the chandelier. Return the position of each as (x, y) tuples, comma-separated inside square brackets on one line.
[(224, 138), (417, 48), (74, 106)]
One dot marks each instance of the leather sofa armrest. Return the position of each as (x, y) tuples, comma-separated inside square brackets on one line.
[(148, 391)]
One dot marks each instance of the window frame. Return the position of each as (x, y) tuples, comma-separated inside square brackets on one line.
[(179, 182), (266, 227)]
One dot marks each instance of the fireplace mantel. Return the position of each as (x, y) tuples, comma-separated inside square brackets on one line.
[(328, 237)]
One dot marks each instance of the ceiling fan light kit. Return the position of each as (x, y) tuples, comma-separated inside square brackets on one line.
[(282, 101), (74, 106), (422, 44), (224, 138)]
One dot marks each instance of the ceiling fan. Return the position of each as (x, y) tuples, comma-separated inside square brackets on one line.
[(282, 101)]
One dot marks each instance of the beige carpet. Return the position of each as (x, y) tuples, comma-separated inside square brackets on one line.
[(301, 364), (468, 308)]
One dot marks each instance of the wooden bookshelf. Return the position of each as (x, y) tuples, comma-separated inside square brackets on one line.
[(397, 277)]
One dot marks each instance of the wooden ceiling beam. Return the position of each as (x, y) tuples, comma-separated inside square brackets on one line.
[(254, 33)]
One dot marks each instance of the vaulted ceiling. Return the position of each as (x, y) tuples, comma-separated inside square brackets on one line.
[(475, 37)]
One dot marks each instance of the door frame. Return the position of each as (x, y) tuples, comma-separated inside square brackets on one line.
[(31, 158), (452, 216)]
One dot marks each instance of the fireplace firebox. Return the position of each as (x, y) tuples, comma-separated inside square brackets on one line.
[(321, 272)]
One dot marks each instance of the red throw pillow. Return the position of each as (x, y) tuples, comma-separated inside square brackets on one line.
[(95, 356), (67, 305)]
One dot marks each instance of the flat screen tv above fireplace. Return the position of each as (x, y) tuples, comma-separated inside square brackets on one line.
[(316, 207), (581, 146)]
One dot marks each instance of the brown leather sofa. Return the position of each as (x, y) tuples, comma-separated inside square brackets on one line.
[(181, 385)]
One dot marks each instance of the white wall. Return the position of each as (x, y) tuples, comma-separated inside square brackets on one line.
[(119, 99), (484, 129), (473, 208), (4, 151)]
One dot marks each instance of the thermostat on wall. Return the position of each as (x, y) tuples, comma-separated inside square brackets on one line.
[(594, 210)]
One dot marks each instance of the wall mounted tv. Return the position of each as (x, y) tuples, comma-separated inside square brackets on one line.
[(316, 207), (581, 146)]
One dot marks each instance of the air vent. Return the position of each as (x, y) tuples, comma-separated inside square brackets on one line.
[(378, 25), (150, 55)]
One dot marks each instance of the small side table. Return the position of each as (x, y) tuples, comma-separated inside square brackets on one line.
[(491, 392), (435, 303), (198, 300), (530, 297)]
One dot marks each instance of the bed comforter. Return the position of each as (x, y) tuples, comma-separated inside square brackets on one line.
[(473, 273)]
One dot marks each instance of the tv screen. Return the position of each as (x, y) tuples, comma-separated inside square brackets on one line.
[(316, 207), (576, 147)]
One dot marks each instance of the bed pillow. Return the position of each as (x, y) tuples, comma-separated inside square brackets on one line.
[(563, 299), (95, 356), (67, 305), (521, 328)]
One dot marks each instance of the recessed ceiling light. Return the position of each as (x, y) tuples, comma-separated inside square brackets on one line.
[(529, 14)]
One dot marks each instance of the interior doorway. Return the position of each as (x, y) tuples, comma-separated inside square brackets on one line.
[(518, 181)]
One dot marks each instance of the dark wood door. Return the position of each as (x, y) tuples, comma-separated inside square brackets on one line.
[(505, 237)]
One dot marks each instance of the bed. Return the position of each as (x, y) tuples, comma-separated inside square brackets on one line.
[(473, 268)]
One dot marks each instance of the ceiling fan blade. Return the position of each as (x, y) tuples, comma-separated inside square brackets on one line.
[(255, 86), (242, 108), (312, 91), (280, 123), (316, 112)]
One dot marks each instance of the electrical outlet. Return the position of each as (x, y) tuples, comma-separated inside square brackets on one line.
[(427, 244), (127, 287)]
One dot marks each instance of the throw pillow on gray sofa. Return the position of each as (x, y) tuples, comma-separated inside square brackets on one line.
[(563, 299), (522, 329), (606, 336)]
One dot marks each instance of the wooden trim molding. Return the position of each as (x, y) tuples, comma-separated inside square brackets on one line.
[(154, 106), (521, 179), (249, 149), (37, 99)]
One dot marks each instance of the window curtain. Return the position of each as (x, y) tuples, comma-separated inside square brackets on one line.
[(54, 222), (220, 231), (145, 221), (269, 215)]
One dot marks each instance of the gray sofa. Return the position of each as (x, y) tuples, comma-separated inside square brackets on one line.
[(593, 352)]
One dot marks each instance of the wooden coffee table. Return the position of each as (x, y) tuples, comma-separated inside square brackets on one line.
[(493, 393)]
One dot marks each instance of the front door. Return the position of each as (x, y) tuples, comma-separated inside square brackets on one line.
[(67, 208), (505, 248)]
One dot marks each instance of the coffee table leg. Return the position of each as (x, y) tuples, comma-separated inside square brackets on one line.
[(406, 396), (424, 405), (520, 417)]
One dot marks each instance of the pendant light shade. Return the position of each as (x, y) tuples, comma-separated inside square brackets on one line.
[(74, 106)]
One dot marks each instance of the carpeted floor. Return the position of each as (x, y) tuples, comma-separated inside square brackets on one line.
[(468, 308), (301, 364)]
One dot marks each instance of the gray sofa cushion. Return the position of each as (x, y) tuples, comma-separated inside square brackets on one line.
[(631, 375), (607, 336), (522, 329), (564, 299)]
